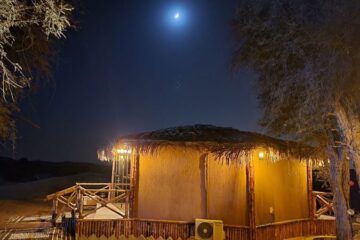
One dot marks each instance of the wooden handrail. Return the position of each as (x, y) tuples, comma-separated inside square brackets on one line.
[(73, 188), (99, 184), (322, 193), (289, 222), (60, 193), (105, 190)]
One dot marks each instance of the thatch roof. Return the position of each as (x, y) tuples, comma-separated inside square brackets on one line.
[(222, 141)]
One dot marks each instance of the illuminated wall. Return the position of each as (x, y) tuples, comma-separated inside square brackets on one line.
[(179, 184), (175, 184), (282, 186), (227, 198), (170, 185)]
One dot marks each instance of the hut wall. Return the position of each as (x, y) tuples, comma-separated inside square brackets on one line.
[(179, 184), (281, 186), (176, 183), (226, 191), (170, 185)]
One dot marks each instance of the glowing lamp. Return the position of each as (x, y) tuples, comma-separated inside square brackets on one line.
[(261, 155), (123, 151)]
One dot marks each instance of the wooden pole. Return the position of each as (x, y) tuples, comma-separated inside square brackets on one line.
[(127, 207), (206, 170), (251, 197), (111, 186), (134, 187), (81, 207), (79, 202), (113, 170), (54, 211), (132, 182), (311, 204)]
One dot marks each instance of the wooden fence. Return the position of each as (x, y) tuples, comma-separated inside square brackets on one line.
[(134, 228), (101, 195), (297, 228), (323, 203), (236, 232)]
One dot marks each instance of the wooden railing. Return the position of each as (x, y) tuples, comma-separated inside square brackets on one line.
[(114, 229), (236, 232), (135, 227), (87, 228), (103, 194), (323, 203), (86, 198), (295, 228)]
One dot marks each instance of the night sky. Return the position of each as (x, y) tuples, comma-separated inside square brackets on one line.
[(132, 67)]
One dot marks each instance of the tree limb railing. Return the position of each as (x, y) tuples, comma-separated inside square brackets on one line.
[(102, 195), (323, 203)]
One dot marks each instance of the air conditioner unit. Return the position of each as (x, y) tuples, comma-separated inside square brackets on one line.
[(206, 229)]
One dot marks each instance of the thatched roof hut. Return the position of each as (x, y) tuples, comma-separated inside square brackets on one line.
[(224, 142), (178, 174)]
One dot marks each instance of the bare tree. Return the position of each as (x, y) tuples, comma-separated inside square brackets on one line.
[(307, 56), (27, 29)]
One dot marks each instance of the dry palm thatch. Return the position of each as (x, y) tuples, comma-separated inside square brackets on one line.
[(223, 142)]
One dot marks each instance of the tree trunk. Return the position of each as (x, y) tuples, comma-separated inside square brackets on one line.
[(338, 171), (340, 136), (354, 140), (355, 147)]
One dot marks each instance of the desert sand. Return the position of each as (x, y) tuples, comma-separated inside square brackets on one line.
[(27, 199)]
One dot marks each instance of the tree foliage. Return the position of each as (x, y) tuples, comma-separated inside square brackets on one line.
[(307, 56), (27, 30)]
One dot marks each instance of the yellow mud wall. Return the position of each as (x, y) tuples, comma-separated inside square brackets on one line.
[(174, 184), (281, 186), (170, 185), (227, 197), (179, 184)]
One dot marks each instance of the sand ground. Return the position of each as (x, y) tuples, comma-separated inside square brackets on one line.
[(27, 199), (20, 208)]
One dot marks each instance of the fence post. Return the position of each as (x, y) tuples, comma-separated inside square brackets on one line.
[(54, 211), (314, 206), (79, 202), (127, 202), (311, 201)]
